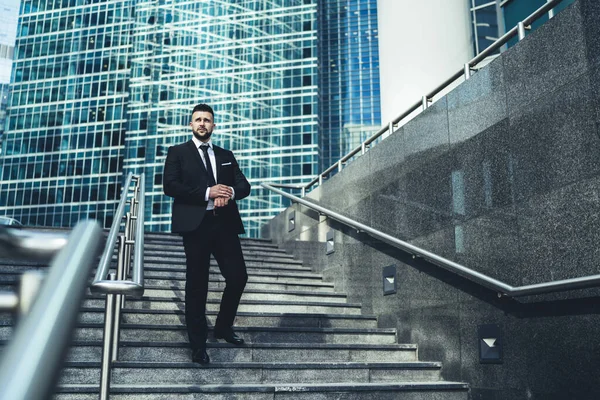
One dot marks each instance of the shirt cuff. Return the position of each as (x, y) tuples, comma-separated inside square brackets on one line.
[(206, 195), (232, 193)]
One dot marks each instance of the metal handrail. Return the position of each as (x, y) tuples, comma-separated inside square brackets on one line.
[(29, 245), (29, 364), (135, 286), (502, 288), (117, 286), (423, 103)]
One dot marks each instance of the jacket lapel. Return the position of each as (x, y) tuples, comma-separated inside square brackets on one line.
[(218, 160), (196, 155)]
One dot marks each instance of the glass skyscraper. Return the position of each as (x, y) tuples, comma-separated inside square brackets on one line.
[(493, 18), (349, 91), (102, 88)]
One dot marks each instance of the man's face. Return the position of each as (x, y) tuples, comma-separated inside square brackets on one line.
[(202, 125)]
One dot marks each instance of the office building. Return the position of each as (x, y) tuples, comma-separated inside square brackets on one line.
[(349, 91), (492, 19), (102, 89)]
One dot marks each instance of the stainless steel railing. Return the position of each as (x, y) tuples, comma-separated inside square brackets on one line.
[(117, 285), (48, 310), (503, 289), (426, 100)]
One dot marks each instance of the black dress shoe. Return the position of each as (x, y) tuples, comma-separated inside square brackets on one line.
[(200, 356), (229, 336)]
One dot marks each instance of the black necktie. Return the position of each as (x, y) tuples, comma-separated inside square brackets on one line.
[(209, 169)]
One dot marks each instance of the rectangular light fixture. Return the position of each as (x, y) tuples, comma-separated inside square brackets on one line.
[(291, 221), (490, 344), (390, 285), (329, 245)]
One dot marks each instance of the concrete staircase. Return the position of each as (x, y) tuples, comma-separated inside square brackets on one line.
[(303, 340)]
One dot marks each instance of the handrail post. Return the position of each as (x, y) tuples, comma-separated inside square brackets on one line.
[(521, 30), (128, 231), (31, 282), (105, 371), (550, 11), (363, 148), (467, 71), (118, 299), (303, 191), (320, 179), (424, 103)]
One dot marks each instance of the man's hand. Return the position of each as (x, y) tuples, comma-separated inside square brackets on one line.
[(220, 191), (221, 201)]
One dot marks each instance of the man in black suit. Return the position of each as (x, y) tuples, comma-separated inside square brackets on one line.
[(205, 182)]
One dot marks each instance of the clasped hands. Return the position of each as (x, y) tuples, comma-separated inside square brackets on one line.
[(221, 194)]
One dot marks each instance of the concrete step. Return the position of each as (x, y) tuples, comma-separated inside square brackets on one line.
[(179, 247), (176, 303), (250, 352), (349, 391), (251, 294), (251, 261), (176, 318), (18, 267), (253, 284), (251, 268), (251, 334), (150, 237), (173, 251), (177, 373), (169, 274)]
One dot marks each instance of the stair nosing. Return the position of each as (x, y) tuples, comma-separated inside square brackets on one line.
[(244, 313), (242, 301), (261, 345), (263, 365), (295, 329), (270, 387)]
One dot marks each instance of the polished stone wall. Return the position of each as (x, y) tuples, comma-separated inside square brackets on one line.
[(503, 176)]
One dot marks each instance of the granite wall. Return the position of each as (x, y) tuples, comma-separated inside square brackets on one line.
[(503, 176)]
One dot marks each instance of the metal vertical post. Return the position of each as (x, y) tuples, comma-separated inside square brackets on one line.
[(550, 11), (521, 29), (128, 231), (340, 165), (425, 102), (31, 282), (106, 349), (467, 71), (118, 300)]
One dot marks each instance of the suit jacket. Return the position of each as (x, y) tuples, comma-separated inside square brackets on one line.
[(185, 179)]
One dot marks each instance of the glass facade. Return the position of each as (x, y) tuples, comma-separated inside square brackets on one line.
[(102, 88), (349, 91), (492, 18)]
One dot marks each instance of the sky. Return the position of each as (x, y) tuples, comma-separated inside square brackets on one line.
[(9, 14)]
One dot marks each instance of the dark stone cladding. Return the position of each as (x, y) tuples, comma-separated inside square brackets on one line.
[(501, 175)]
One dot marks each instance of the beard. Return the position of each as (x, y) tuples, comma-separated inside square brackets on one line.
[(202, 135)]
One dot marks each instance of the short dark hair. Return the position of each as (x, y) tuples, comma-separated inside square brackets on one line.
[(204, 107)]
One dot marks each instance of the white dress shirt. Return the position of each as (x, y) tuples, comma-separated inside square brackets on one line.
[(213, 163)]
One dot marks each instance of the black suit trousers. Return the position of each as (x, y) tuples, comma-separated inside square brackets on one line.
[(214, 237)]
